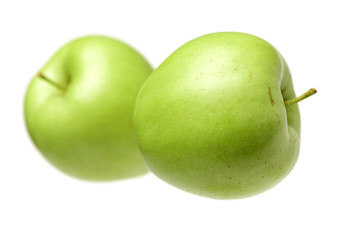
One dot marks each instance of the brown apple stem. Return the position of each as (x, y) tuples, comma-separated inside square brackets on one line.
[(42, 76), (301, 97)]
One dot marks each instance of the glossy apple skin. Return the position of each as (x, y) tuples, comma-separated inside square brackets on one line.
[(79, 108), (211, 118)]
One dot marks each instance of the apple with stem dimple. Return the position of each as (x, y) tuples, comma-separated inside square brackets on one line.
[(219, 117), (79, 108)]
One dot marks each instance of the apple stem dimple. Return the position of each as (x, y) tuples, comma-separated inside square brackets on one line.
[(42, 76), (301, 97)]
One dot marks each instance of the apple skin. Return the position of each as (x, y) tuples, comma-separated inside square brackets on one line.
[(211, 119), (79, 108)]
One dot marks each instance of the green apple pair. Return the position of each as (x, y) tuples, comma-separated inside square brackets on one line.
[(218, 118)]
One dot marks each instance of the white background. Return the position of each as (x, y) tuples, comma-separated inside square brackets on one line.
[(38, 202)]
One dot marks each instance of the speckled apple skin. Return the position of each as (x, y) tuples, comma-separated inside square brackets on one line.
[(79, 108), (211, 118)]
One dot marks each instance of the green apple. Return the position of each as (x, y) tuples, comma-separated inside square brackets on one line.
[(79, 108), (219, 117)]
